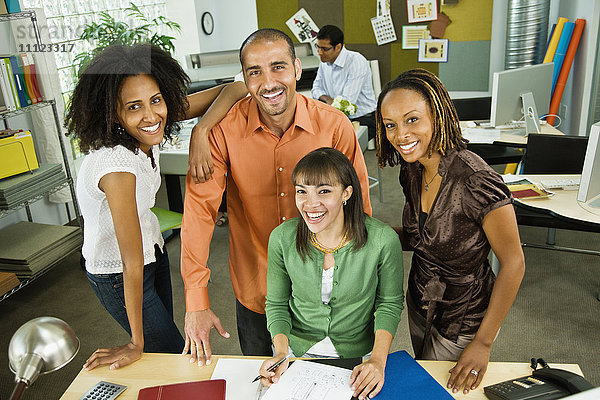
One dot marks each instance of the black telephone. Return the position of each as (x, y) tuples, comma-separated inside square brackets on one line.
[(543, 384)]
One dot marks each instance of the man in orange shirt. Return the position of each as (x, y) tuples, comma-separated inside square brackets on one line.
[(254, 150)]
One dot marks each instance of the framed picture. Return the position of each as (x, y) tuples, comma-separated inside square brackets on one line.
[(433, 50), (421, 10), (411, 34)]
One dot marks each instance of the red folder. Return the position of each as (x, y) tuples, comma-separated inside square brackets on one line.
[(201, 390)]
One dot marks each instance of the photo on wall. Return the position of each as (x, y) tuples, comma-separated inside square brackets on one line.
[(302, 26), (421, 10), (433, 50)]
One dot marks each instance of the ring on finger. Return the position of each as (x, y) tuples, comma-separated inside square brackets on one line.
[(474, 372)]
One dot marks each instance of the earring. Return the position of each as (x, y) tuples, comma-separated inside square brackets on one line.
[(120, 129), (345, 202)]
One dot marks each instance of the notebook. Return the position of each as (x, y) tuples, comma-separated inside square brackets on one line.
[(201, 390)]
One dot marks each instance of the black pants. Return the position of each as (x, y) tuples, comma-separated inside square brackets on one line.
[(255, 339), (369, 121)]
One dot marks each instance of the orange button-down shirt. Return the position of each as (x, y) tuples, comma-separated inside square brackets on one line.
[(257, 166)]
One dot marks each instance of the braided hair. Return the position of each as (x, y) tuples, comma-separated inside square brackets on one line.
[(446, 126)]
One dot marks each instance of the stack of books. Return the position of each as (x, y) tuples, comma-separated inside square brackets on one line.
[(28, 248), (16, 189), (8, 280)]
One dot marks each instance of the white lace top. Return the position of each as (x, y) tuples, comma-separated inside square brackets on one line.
[(100, 247)]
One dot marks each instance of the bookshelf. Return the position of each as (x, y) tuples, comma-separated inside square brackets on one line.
[(38, 195)]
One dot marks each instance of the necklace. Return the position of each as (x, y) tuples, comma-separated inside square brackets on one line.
[(315, 242), (429, 183)]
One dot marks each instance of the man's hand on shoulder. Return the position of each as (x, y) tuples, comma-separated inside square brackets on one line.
[(197, 334), (326, 99)]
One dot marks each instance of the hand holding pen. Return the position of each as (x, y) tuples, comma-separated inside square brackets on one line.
[(271, 377)]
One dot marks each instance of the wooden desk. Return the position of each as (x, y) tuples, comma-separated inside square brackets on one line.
[(160, 369)]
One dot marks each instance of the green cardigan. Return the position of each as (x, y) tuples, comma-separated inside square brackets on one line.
[(367, 291)]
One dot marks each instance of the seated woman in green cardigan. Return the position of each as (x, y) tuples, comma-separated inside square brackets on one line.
[(338, 291)]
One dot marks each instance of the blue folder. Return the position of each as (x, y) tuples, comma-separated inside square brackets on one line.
[(406, 379), (561, 50), (13, 6)]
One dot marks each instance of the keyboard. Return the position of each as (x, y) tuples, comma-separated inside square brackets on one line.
[(560, 183)]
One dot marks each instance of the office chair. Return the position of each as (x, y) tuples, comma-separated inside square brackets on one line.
[(478, 109), (554, 154), (374, 64), (551, 154)]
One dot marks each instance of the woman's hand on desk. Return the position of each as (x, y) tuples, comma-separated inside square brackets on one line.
[(200, 162), (271, 377), (117, 357), (367, 378), (474, 357)]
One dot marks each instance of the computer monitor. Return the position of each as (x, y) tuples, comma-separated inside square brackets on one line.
[(589, 187), (522, 92)]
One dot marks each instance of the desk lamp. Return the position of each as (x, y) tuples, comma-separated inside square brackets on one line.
[(39, 346)]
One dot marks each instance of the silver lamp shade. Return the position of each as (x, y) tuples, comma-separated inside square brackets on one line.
[(39, 346)]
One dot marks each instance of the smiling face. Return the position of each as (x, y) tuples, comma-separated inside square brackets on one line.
[(321, 206), (408, 123), (270, 73), (142, 111)]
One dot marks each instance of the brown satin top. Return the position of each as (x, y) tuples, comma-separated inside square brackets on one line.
[(451, 279)]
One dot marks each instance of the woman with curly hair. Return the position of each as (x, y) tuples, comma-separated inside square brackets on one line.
[(127, 100), (457, 208)]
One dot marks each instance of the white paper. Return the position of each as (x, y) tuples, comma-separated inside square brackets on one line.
[(305, 380), (383, 28), (383, 7), (302, 26), (239, 374), (421, 10), (481, 135)]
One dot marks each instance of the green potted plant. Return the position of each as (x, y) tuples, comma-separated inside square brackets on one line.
[(109, 31)]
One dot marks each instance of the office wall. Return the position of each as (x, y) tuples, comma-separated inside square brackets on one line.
[(234, 20), (469, 34)]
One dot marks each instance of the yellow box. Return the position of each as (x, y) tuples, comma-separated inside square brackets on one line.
[(17, 154)]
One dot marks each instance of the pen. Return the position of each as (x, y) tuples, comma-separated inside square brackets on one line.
[(272, 367)]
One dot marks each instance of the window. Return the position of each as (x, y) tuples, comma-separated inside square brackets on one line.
[(66, 19)]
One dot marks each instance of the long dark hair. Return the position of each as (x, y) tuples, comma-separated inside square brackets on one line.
[(446, 125), (329, 166), (92, 114)]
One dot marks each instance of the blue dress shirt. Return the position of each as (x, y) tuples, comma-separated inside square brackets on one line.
[(348, 76)]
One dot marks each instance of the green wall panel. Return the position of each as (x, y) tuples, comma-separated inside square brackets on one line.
[(473, 57), (328, 12), (274, 13), (403, 60), (357, 16)]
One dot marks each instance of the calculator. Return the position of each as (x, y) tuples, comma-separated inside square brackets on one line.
[(104, 391)]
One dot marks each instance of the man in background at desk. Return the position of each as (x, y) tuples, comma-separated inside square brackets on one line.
[(344, 73), (255, 148)]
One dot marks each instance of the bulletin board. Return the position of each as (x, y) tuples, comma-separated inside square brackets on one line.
[(469, 36)]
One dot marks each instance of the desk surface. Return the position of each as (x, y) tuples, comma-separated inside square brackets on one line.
[(563, 203), (501, 136), (160, 369)]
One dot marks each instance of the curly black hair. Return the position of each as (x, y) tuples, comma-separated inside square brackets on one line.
[(92, 113), (446, 126)]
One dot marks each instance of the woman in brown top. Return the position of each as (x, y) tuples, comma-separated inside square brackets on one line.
[(457, 208)]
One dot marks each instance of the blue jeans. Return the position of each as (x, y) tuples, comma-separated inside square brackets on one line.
[(160, 332)]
